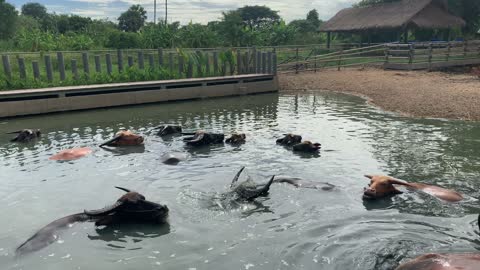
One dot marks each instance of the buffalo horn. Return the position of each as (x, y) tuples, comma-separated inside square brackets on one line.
[(235, 179), (116, 138), (104, 211), (124, 189), (14, 132)]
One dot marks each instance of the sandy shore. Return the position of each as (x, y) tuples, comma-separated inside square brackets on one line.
[(413, 93)]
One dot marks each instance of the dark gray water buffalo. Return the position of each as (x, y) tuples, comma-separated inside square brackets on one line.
[(307, 147), (236, 139), (168, 130), (25, 135), (249, 190), (290, 139), (300, 183), (201, 138), (173, 158), (130, 208)]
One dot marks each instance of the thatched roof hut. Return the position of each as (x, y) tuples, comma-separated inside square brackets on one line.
[(403, 14)]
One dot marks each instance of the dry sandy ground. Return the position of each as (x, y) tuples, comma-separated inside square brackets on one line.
[(413, 93)]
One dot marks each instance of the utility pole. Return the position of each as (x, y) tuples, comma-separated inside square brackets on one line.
[(166, 12), (154, 11)]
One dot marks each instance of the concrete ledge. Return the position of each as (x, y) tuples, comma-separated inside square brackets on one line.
[(59, 99)]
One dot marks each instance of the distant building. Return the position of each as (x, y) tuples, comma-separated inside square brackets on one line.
[(400, 16)]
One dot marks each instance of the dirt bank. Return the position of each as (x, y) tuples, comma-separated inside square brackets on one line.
[(414, 93)]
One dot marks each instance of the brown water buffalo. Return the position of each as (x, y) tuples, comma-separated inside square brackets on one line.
[(290, 139), (382, 186), (71, 154), (236, 139), (130, 208), (201, 138), (168, 130), (25, 135), (124, 138), (307, 146), (462, 261)]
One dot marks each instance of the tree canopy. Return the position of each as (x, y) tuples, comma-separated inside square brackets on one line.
[(133, 19), (35, 10), (257, 16), (8, 16)]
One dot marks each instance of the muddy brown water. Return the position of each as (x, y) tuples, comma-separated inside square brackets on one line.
[(290, 229)]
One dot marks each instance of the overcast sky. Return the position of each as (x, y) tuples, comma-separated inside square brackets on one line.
[(188, 10)]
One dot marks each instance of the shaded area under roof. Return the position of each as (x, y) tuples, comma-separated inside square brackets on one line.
[(400, 14)]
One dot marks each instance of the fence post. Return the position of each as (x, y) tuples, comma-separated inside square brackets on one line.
[(430, 56), (86, 66), (315, 60), (141, 63), (254, 64), (120, 60), (199, 63), (190, 69), (74, 69), (160, 57), (98, 66), (108, 59), (170, 62), (340, 59), (449, 49), (207, 64), (61, 66), (269, 62), (151, 61), (297, 61), (36, 70), (246, 66), (215, 63), (410, 55), (264, 63), (275, 63), (130, 61), (239, 62), (48, 67), (259, 62), (6, 66), (465, 48), (21, 68), (387, 54), (180, 65)]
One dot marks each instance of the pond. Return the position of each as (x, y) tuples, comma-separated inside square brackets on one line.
[(292, 228)]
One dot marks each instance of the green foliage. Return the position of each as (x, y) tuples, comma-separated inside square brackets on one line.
[(133, 19), (123, 40), (160, 36), (8, 17), (258, 16), (72, 23), (34, 10)]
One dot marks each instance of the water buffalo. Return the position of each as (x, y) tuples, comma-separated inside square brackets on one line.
[(307, 147), (168, 130), (130, 208), (71, 154), (236, 139), (461, 261), (249, 190), (290, 139), (25, 135), (382, 186), (203, 138), (173, 158), (124, 138), (300, 183)]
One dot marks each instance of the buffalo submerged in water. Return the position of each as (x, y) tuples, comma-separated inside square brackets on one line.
[(132, 207)]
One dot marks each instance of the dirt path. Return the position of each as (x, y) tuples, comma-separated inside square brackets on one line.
[(414, 93)]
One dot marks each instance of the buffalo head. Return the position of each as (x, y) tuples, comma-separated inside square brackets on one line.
[(168, 130), (131, 207), (307, 146), (124, 138), (290, 139), (203, 138), (236, 138), (381, 186), (25, 135)]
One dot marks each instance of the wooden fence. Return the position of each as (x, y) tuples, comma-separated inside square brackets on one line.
[(429, 55), (55, 67)]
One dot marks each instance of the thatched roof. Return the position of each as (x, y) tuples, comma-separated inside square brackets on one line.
[(400, 14)]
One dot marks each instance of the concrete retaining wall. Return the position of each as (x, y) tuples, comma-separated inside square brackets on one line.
[(39, 101)]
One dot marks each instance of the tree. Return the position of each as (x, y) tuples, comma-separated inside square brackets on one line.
[(133, 19), (258, 16), (8, 16), (313, 18), (34, 10)]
